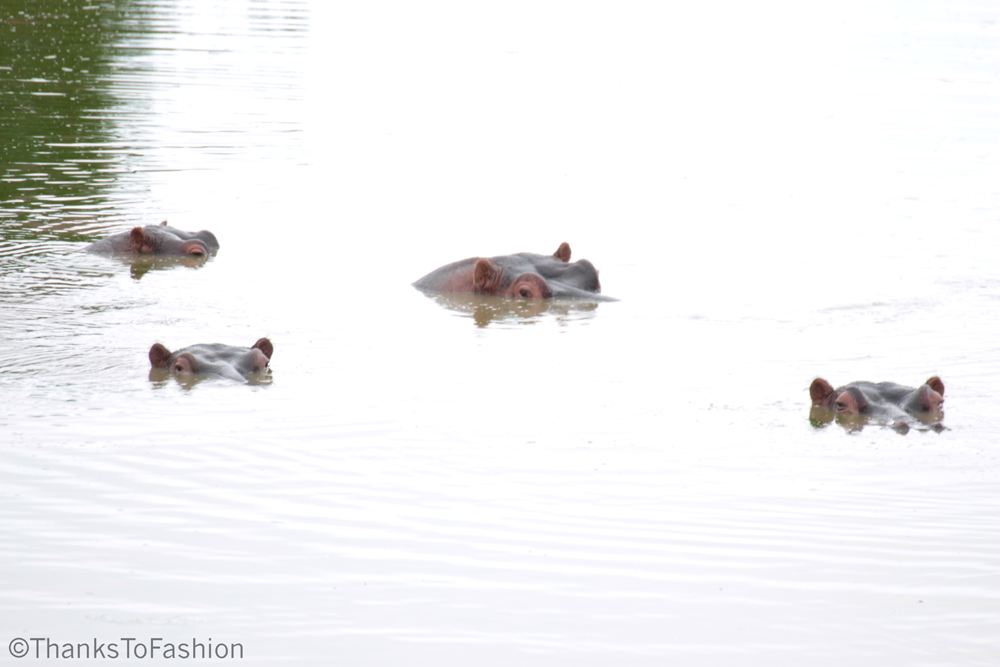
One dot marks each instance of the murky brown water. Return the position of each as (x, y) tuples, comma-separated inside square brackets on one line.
[(774, 193)]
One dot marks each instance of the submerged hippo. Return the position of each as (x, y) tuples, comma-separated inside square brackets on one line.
[(882, 400), (525, 275), (235, 363), (158, 239)]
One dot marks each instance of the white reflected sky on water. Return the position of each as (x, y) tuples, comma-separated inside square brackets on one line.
[(774, 192)]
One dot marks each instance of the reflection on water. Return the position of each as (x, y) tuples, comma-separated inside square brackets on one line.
[(485, 310), (160, 377), (139, 265), (80, 83), (821, 417), (61, 156)]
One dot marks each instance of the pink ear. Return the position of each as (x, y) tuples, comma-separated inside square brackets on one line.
[(158, 356), (138, 238), (936, 384), (485, 276), (820, 392), (563, 252), (265, 346)]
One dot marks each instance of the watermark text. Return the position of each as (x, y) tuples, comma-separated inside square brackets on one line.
[(125, 648)]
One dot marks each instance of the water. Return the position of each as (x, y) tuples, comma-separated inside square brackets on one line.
[(774, 192)]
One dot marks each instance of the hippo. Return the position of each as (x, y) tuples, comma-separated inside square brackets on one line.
[(882, 400), (160, 239), (235, 363), (524, 275)]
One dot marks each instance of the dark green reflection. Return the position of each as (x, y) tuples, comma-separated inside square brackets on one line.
[(56, 61)]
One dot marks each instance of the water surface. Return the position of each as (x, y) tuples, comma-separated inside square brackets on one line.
[(774, 193)]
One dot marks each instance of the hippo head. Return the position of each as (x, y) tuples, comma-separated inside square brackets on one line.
[(491, 278), (851, 399), (523, 275), (164, 243), (225, 360)]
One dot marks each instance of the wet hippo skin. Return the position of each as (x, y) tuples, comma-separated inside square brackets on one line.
[(160, 239), (235, 363), (882, 400), (524, 275)]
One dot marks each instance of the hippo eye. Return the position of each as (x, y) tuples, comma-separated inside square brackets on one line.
[(184, 365), (841, 406), (525, 293)]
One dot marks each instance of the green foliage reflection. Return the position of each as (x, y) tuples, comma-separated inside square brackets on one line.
[(56, 61)]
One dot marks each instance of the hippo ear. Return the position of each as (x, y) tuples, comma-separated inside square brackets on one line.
[(265, 346), (820, 392), (936, 384), (485, 276), (563, 252), (159, 356), (163, 224), (138, 238)]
